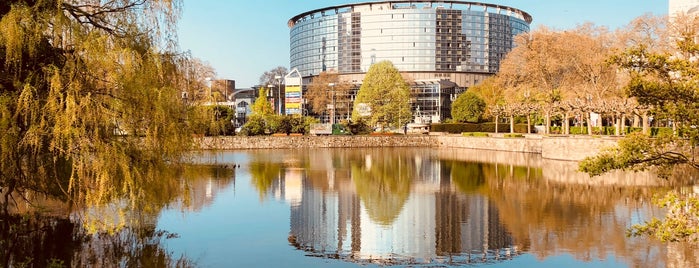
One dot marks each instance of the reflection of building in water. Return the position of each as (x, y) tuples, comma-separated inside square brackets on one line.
[(203, 188), (290, 187), (435, 224), (323, 221)]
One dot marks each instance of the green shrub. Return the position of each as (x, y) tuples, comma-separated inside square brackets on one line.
[(490, 127), (513, 135), (475, 134), (576, 130), (301, 125), (455, 128), (656, 131), (556, 130), (255, 126), (359, 127), (522, 128)]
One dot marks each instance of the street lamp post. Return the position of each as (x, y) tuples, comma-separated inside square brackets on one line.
[(270, 94), (279, 91)]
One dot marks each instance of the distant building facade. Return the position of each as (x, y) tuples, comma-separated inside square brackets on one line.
[(683, 6), (429, 41), (225, 87)]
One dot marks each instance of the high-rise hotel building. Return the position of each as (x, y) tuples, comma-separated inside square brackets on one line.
[(435, 44)]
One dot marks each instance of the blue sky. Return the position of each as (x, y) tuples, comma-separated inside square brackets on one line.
[(242, 39)]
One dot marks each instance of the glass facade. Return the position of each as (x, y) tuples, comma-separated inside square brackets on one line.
[(416, 36), (443, 46)]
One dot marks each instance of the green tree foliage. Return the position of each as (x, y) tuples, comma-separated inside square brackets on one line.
[(215, 120), (468, 108), (262, 107), (680, 224), (264, 121), (490, 91), (386, 94), (90, 102), (639, 152)]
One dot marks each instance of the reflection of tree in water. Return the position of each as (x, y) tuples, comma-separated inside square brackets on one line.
[(384, 185), (468, 177), (44, 241), (267, 167), (547, 218), (118, 233), (264, 175)]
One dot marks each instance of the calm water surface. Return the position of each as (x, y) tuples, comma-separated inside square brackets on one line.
[(416, 207)]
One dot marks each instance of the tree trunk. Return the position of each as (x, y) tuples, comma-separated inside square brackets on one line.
[(566, 124), (623, 124), (636, 121), (674, 128), (646, 124), (512, 124), (6, 197), (529, 124), (497, 118), (588, 119), (616, 125), (548, 122)]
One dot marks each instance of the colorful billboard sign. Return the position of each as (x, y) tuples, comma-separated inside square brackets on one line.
[(293, 99)]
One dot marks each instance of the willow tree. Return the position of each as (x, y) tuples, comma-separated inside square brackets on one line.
[(384, 97), (90, 105)]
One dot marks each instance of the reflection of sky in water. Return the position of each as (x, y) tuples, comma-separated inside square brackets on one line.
[(241, 228)]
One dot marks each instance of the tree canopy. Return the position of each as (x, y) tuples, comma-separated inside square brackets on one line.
[(91, 98), (664, 78), (262, 107), (320, 93), (468, 107), (387, 96), (270, 77)]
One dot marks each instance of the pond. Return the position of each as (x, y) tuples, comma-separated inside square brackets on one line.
[(386, 206)]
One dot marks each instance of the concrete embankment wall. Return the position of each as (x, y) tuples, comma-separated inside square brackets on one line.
[(570, 148)]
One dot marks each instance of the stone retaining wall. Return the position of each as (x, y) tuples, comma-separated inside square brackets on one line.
[(288, 142), (558, 148)]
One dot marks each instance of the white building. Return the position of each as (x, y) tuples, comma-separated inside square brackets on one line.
[(683, 6)]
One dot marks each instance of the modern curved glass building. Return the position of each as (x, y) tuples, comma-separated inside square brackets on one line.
[(459, 41)]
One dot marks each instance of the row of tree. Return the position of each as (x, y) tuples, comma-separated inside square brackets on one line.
[(570, 74), (649, 68)]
